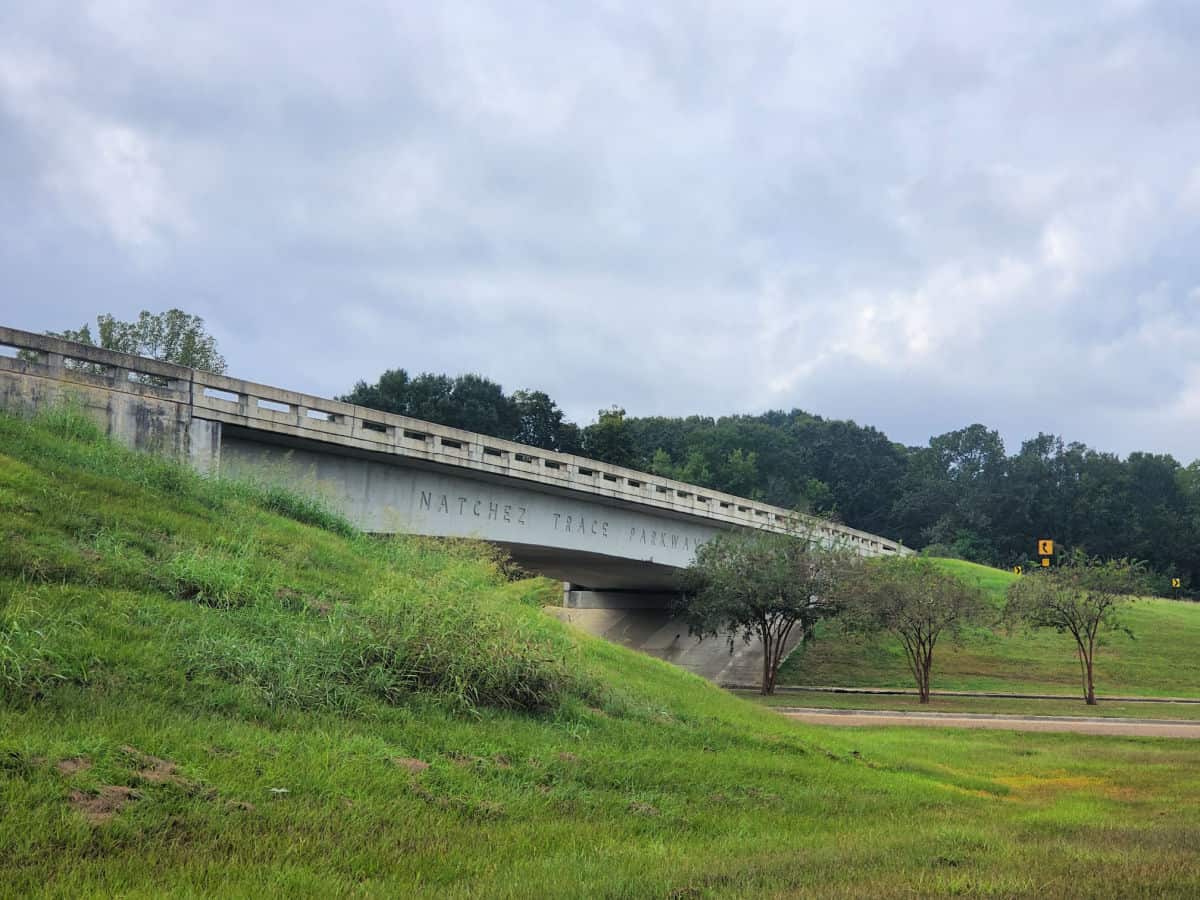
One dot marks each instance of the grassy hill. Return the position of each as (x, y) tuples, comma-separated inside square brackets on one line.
[(208, 688), (1161, 659)]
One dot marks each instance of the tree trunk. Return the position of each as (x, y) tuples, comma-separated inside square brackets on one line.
[(768, 683), (926, 670), (1091, 686), (1083, 677)]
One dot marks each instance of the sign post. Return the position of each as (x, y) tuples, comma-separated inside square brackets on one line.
[(1045, 551)]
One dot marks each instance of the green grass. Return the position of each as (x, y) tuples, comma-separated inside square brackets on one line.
[(1160, 660), (282, 707)]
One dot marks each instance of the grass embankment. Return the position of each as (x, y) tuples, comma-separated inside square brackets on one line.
[(1160, 660), (214, 689)]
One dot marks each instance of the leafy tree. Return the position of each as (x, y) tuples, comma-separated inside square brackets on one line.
[(471, 402), (539, 420), (172, 336), (764, 585), (609, 440), (479, 404), (1081, 596), (917, 602), (389, 394)]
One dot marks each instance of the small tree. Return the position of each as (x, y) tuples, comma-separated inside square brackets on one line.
[(172, 336), (1080, 596), (916, 601), (762, 585)]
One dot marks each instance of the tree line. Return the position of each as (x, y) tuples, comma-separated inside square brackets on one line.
[(962, 495)]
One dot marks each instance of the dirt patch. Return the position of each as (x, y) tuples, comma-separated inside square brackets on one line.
[(410, 764), (240, 806), (73, 765), (100, 808), (568, 758), (154, 770), (501, 761)]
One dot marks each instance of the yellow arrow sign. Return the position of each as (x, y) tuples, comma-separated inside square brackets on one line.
[(1016, 570), (1175, 582), (1045, 547)]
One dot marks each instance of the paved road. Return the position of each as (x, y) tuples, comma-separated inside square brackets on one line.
[(1077, 724), (911, 692)]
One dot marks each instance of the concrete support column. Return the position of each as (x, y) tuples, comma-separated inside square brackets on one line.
[(204, 446)]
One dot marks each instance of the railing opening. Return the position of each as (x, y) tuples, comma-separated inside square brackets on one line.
[(608, 477), (274, 406), (322, 416), (13, 353), (551, 464), (368, 425), (586, 471), (158, 381), (88, 367), (215, 394), (524, 458), (452, 444), (633, 483), (492, 451), (415, 435)]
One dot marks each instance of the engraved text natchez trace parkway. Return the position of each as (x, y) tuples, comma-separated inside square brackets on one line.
[(564, 522)]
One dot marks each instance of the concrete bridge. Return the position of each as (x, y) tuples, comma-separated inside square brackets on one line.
[(615, 537)]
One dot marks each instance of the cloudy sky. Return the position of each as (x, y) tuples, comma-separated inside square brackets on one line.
[(915, 216)]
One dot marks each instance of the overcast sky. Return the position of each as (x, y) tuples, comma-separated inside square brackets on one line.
[(915, 216)]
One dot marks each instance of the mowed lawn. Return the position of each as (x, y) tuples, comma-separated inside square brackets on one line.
[(1162, 659), (208, 690)]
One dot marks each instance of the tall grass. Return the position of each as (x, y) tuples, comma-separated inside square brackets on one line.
[(82, 445), (449, 618), (35, 654)]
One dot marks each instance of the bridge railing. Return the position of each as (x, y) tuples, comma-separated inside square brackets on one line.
[(295, 415)]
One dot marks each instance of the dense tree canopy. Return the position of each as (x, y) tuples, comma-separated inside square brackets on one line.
[(963, 494), (172, 336)]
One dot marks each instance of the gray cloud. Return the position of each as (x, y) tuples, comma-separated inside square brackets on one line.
[(917, 218)]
